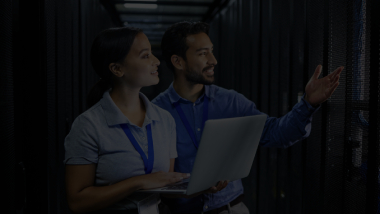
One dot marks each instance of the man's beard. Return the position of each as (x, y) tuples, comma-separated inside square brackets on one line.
[(194, 77)]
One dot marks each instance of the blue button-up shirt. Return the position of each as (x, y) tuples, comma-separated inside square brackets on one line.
[(278, 132)]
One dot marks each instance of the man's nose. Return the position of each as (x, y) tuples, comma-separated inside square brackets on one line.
[(212, 60)]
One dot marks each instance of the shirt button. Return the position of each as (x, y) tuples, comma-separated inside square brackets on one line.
[(206, 207), (194, 104), (199, 129), (143, 138)]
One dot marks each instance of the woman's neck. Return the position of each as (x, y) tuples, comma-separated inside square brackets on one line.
[(128, 100)]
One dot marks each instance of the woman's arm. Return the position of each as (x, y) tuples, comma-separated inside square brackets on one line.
[(83, 196), (171, 169)]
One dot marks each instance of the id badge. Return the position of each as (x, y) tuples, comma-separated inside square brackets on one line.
[(147, 203)]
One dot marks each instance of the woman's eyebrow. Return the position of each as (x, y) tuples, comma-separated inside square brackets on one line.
[(146, 49)]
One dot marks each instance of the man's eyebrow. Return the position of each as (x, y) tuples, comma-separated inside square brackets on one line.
[(146, 49), (201, 49)]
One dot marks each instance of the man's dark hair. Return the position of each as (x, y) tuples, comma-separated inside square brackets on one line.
[(174, 40)]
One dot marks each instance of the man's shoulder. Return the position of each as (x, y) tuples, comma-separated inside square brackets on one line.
[(219, 91), (162, 99), (162, 113)]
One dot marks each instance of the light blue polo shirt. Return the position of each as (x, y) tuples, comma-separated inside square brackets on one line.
[(97, 138)]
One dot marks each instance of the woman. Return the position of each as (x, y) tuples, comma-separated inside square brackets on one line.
[(123, 143)]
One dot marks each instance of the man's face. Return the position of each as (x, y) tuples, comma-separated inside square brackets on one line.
[(199, 66)]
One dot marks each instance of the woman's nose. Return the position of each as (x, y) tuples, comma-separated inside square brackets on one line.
[(157, 62)]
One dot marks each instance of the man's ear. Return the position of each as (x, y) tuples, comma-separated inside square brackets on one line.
[(116, 69), (177, 62)]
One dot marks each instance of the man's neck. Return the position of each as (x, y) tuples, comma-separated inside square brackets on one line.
[(187, 90)]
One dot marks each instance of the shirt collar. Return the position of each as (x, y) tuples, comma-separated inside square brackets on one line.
[(114, 116), (174, 96)]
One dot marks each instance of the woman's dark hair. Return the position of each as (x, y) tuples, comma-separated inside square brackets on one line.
[(110, 46), (174, 40)]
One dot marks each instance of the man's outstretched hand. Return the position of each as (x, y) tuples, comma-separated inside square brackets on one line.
[(319, 90)]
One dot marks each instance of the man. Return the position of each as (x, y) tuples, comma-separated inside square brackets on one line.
[(187, 50)]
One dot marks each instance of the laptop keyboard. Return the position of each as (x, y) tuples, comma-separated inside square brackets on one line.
[(182, 186), (186, 180)]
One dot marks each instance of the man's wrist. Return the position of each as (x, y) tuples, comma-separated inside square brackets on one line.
[(307, 100)]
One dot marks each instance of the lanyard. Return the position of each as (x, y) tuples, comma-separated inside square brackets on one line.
[(148, 162), (187, 124)]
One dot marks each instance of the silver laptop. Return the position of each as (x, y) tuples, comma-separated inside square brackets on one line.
[(226, 152)]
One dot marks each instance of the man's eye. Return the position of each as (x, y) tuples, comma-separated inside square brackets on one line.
[(203, 53), (146, 56)]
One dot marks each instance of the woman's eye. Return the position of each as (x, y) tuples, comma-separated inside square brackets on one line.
[(146, 56)]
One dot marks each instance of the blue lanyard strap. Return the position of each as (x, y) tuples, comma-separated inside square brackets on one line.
[(186, 122), (148, 162), (205, 111)]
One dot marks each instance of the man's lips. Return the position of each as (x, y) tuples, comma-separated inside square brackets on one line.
[(209, 70)]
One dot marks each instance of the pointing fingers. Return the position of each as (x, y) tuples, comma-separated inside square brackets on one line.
[(317, 72), (336, 72)]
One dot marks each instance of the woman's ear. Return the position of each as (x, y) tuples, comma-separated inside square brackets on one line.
[(177, 62), (115, 68)]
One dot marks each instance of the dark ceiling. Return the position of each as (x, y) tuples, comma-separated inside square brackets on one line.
[(155, 16)]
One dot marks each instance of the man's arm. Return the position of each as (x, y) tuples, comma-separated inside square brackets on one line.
[(295, 125), (287, 130)]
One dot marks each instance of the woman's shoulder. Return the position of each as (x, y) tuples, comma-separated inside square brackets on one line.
[(89, 117)]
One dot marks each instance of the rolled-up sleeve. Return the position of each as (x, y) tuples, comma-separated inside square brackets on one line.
[(81, 143), (283, 131)]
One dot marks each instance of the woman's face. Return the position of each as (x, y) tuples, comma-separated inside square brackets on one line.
[(140, 65)]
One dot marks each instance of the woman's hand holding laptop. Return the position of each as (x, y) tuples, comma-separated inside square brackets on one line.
[(160, 179), (220, 185)]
